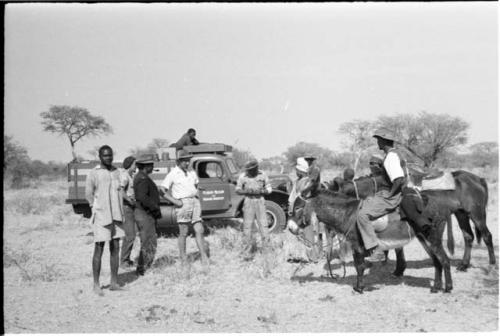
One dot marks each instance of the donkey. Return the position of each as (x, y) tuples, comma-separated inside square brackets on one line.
[(467, 202), (339, 213)]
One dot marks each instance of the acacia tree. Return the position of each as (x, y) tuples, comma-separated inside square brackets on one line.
[(428, 136), (74, 122), (16, 162), (360, 139), (484, 154)]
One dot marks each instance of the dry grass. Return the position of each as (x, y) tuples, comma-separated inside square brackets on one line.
[(47, 284)]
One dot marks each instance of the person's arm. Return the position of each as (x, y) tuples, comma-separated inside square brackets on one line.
[(240, 188), (141, 195), (90, 188), (392, 166), (267, 188), (397, 186), (168, 195)]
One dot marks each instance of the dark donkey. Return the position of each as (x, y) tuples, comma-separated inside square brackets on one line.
[(339, 214), (467, 202)]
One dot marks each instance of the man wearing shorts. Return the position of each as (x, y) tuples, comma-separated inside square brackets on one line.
[(180, 187), (103, 192)]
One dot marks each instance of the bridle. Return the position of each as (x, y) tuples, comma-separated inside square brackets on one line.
[(312, 244)]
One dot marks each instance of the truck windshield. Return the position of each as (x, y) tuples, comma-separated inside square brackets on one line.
[(232, 166)]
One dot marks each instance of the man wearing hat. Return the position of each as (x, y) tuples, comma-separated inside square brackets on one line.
[(103, 192), (301, 169), (254, 184), (127, 184), (147, 211), (314, 174), (180, 187), (384, 201)]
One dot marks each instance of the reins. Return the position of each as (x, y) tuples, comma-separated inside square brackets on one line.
[(355, 189)]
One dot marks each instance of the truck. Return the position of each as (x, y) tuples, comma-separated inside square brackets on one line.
[(217, 173)]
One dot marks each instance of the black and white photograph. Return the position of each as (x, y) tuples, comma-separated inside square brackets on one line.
[(323, 167)]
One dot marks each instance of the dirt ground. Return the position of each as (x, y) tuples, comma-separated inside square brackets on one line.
[(48, 284)]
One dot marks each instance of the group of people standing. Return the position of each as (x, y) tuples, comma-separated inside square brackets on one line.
[(125, 201)]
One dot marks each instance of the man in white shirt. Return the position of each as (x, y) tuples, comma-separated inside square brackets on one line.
[(180, 187), (384, 201)]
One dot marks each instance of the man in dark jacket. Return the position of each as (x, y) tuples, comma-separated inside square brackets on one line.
[(147, 211)]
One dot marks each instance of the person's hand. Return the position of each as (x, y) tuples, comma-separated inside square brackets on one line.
[(178, 203), (156, 213), (252, 192)]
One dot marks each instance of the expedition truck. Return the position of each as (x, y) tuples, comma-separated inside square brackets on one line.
[(217, 173)]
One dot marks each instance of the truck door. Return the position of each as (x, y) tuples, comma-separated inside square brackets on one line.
[(214, 189)]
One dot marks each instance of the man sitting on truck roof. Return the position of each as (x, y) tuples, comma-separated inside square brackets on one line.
[(187, 139)]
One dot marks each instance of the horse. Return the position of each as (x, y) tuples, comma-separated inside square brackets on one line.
[(466, 202), (339, 213)]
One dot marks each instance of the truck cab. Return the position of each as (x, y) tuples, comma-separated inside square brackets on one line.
[(217, 173)]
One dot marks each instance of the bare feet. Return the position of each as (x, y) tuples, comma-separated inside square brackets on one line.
[(98, 290)]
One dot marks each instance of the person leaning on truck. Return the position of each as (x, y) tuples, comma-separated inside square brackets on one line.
[(147, 211), (253, 184), (187, 139), (103, 192), (127, 183), (180, 187)]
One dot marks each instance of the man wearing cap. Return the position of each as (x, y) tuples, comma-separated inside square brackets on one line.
[(180, 187), (127, 184), (253, 184), (384, 201), (301, 169), (103, 192), (147, 211), (314, 174), (187, 139)]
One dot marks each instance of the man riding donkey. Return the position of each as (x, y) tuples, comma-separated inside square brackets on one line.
[(385, 201)]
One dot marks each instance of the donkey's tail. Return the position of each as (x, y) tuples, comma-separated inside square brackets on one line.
[(451, 239), (476, 229)]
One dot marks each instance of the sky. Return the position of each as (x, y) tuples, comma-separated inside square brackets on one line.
[(260, 77)]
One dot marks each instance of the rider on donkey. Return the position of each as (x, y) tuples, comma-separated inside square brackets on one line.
[(384, 201)]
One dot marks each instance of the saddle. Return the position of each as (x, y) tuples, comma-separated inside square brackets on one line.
[(380, 224), (392, 231), (432, 179)]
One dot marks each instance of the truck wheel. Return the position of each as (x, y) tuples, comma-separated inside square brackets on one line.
[(276, 218)]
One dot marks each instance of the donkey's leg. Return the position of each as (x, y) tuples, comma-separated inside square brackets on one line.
[(400, 262), (463, 222), (359, 263), (437, 265), (478, 216), (386, 256), (437, 243)]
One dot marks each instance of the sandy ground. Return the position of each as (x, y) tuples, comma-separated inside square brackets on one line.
[(47, 284)]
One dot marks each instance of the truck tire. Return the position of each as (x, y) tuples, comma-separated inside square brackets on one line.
[(276, 218)]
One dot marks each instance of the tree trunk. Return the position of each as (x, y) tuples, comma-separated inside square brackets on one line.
[(75, 159)]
